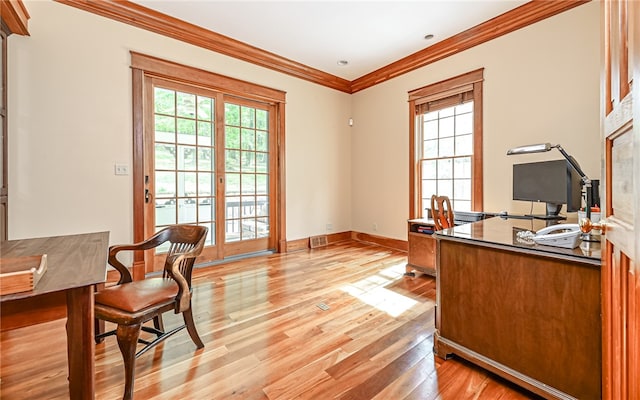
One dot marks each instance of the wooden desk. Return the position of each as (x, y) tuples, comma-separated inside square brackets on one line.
[(74, 264), (526, 312), (422, 247)]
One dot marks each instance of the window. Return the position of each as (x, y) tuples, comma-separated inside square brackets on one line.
[(446, 143)]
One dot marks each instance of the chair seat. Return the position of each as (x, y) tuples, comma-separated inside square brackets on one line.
[(138, 295)]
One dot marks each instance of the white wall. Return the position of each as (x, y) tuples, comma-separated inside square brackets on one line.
[(70, 121), (541, 85)]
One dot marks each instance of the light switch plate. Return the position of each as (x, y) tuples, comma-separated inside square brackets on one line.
[(121, 169)]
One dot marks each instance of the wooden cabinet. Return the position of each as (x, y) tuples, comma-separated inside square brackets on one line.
[(422, 247), (529, 313)]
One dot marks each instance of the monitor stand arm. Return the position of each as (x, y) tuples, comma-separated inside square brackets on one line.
[(586, 182), (553, 209)]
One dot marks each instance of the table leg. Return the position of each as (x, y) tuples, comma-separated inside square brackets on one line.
[(80, 346)]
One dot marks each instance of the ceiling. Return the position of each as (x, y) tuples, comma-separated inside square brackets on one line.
[(367, 34)]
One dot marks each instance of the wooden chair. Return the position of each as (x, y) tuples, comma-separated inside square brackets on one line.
[(130, 303), (441, 212)]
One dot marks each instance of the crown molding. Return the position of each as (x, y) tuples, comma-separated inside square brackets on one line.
[(518, 18), (15, 16), (145, 18)]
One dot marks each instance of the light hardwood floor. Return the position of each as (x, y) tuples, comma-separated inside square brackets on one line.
[(266, 337)]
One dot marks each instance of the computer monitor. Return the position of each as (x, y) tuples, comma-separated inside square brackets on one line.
[(552, 182)]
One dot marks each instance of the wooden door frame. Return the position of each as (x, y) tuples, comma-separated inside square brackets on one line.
[(143, 66), (620, 118)]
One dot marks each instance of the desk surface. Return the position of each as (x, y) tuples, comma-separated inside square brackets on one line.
[(73, 261), (499, 231)]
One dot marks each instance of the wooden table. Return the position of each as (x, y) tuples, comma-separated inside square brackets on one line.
[(527, 312), (75, 263)]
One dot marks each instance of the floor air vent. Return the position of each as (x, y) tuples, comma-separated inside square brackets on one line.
[(318, 241)]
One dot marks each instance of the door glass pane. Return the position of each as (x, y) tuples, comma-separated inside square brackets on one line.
[(262, 162), (165, 129), (247, 167), (248, 161), (206, 209), (184, 159), (186, 184), (164, 101), (262, 206), (186, 104), (186, 131), (187, 157), (205, 138), (165, 212), (205, 185), (262, 227), (205, 159), (232, 160), (165, 185), (262, 141), (187, 211)]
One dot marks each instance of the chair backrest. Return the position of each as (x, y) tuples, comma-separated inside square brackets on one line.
[(183, 239), (441, 212)]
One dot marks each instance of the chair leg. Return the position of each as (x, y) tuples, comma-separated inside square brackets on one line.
[(98, 329), (127, 341), (158, 323), (191, 328)]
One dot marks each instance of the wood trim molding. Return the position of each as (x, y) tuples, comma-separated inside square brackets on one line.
[(145, 18), (138, 170), (170, 70), (303, 244), (281, 182), (15, 16), (396, 244), (448, 85), (477, 172), (508, 22)]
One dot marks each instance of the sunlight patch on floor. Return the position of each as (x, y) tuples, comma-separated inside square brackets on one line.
[(372, 290)]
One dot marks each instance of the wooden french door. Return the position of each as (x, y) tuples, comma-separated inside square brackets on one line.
[(621, 243), (207, 149), (209, 157)]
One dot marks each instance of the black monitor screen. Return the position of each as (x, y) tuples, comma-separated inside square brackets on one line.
[(553, 182)]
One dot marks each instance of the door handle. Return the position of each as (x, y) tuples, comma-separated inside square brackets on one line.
[(587, 226), (147, 196)]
